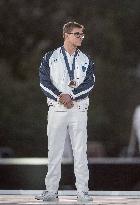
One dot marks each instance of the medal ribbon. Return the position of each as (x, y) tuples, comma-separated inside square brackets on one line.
[(71, 72)]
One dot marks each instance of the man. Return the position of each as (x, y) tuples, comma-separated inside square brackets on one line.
[(67, 78)]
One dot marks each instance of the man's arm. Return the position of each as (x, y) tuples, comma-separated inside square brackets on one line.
[(83, 90), (45, 82)]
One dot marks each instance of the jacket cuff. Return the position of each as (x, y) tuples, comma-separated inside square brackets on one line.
[(72, 95)]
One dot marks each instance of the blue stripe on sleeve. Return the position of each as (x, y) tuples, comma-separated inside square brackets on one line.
[(48, 95), (45, 82), (82, 96)]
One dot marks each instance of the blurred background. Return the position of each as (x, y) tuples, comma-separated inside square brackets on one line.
[(28, 29)]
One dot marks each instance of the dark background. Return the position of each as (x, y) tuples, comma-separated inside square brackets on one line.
[(28, 29)]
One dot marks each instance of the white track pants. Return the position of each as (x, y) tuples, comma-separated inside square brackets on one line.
[(73, 121)]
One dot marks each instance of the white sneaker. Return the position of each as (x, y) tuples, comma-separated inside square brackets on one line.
[(84, 197), (47, 196)]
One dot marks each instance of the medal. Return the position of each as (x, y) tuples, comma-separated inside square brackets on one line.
[(72, 84)]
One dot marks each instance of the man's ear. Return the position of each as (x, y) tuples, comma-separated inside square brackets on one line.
[(65, 35)]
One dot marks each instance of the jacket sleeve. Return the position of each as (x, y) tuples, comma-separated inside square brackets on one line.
[(45, 82), (83, 90)]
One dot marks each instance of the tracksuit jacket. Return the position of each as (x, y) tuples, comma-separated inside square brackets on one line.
[(54, 77)]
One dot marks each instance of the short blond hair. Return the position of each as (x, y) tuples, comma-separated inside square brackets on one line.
[(68, 27)]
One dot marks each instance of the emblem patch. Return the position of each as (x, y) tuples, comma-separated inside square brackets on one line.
[(83, 68)]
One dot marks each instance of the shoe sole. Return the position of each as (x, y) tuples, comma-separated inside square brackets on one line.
[(46, 200), (41, 198)]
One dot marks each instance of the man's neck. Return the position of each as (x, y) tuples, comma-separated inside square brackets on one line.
[(69, 48)]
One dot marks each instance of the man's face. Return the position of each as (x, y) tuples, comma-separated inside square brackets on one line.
[(75, 37)]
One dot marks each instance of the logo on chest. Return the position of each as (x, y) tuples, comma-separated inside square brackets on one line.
[(83, 68)]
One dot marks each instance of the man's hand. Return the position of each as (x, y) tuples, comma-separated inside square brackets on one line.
[(64, 98)]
